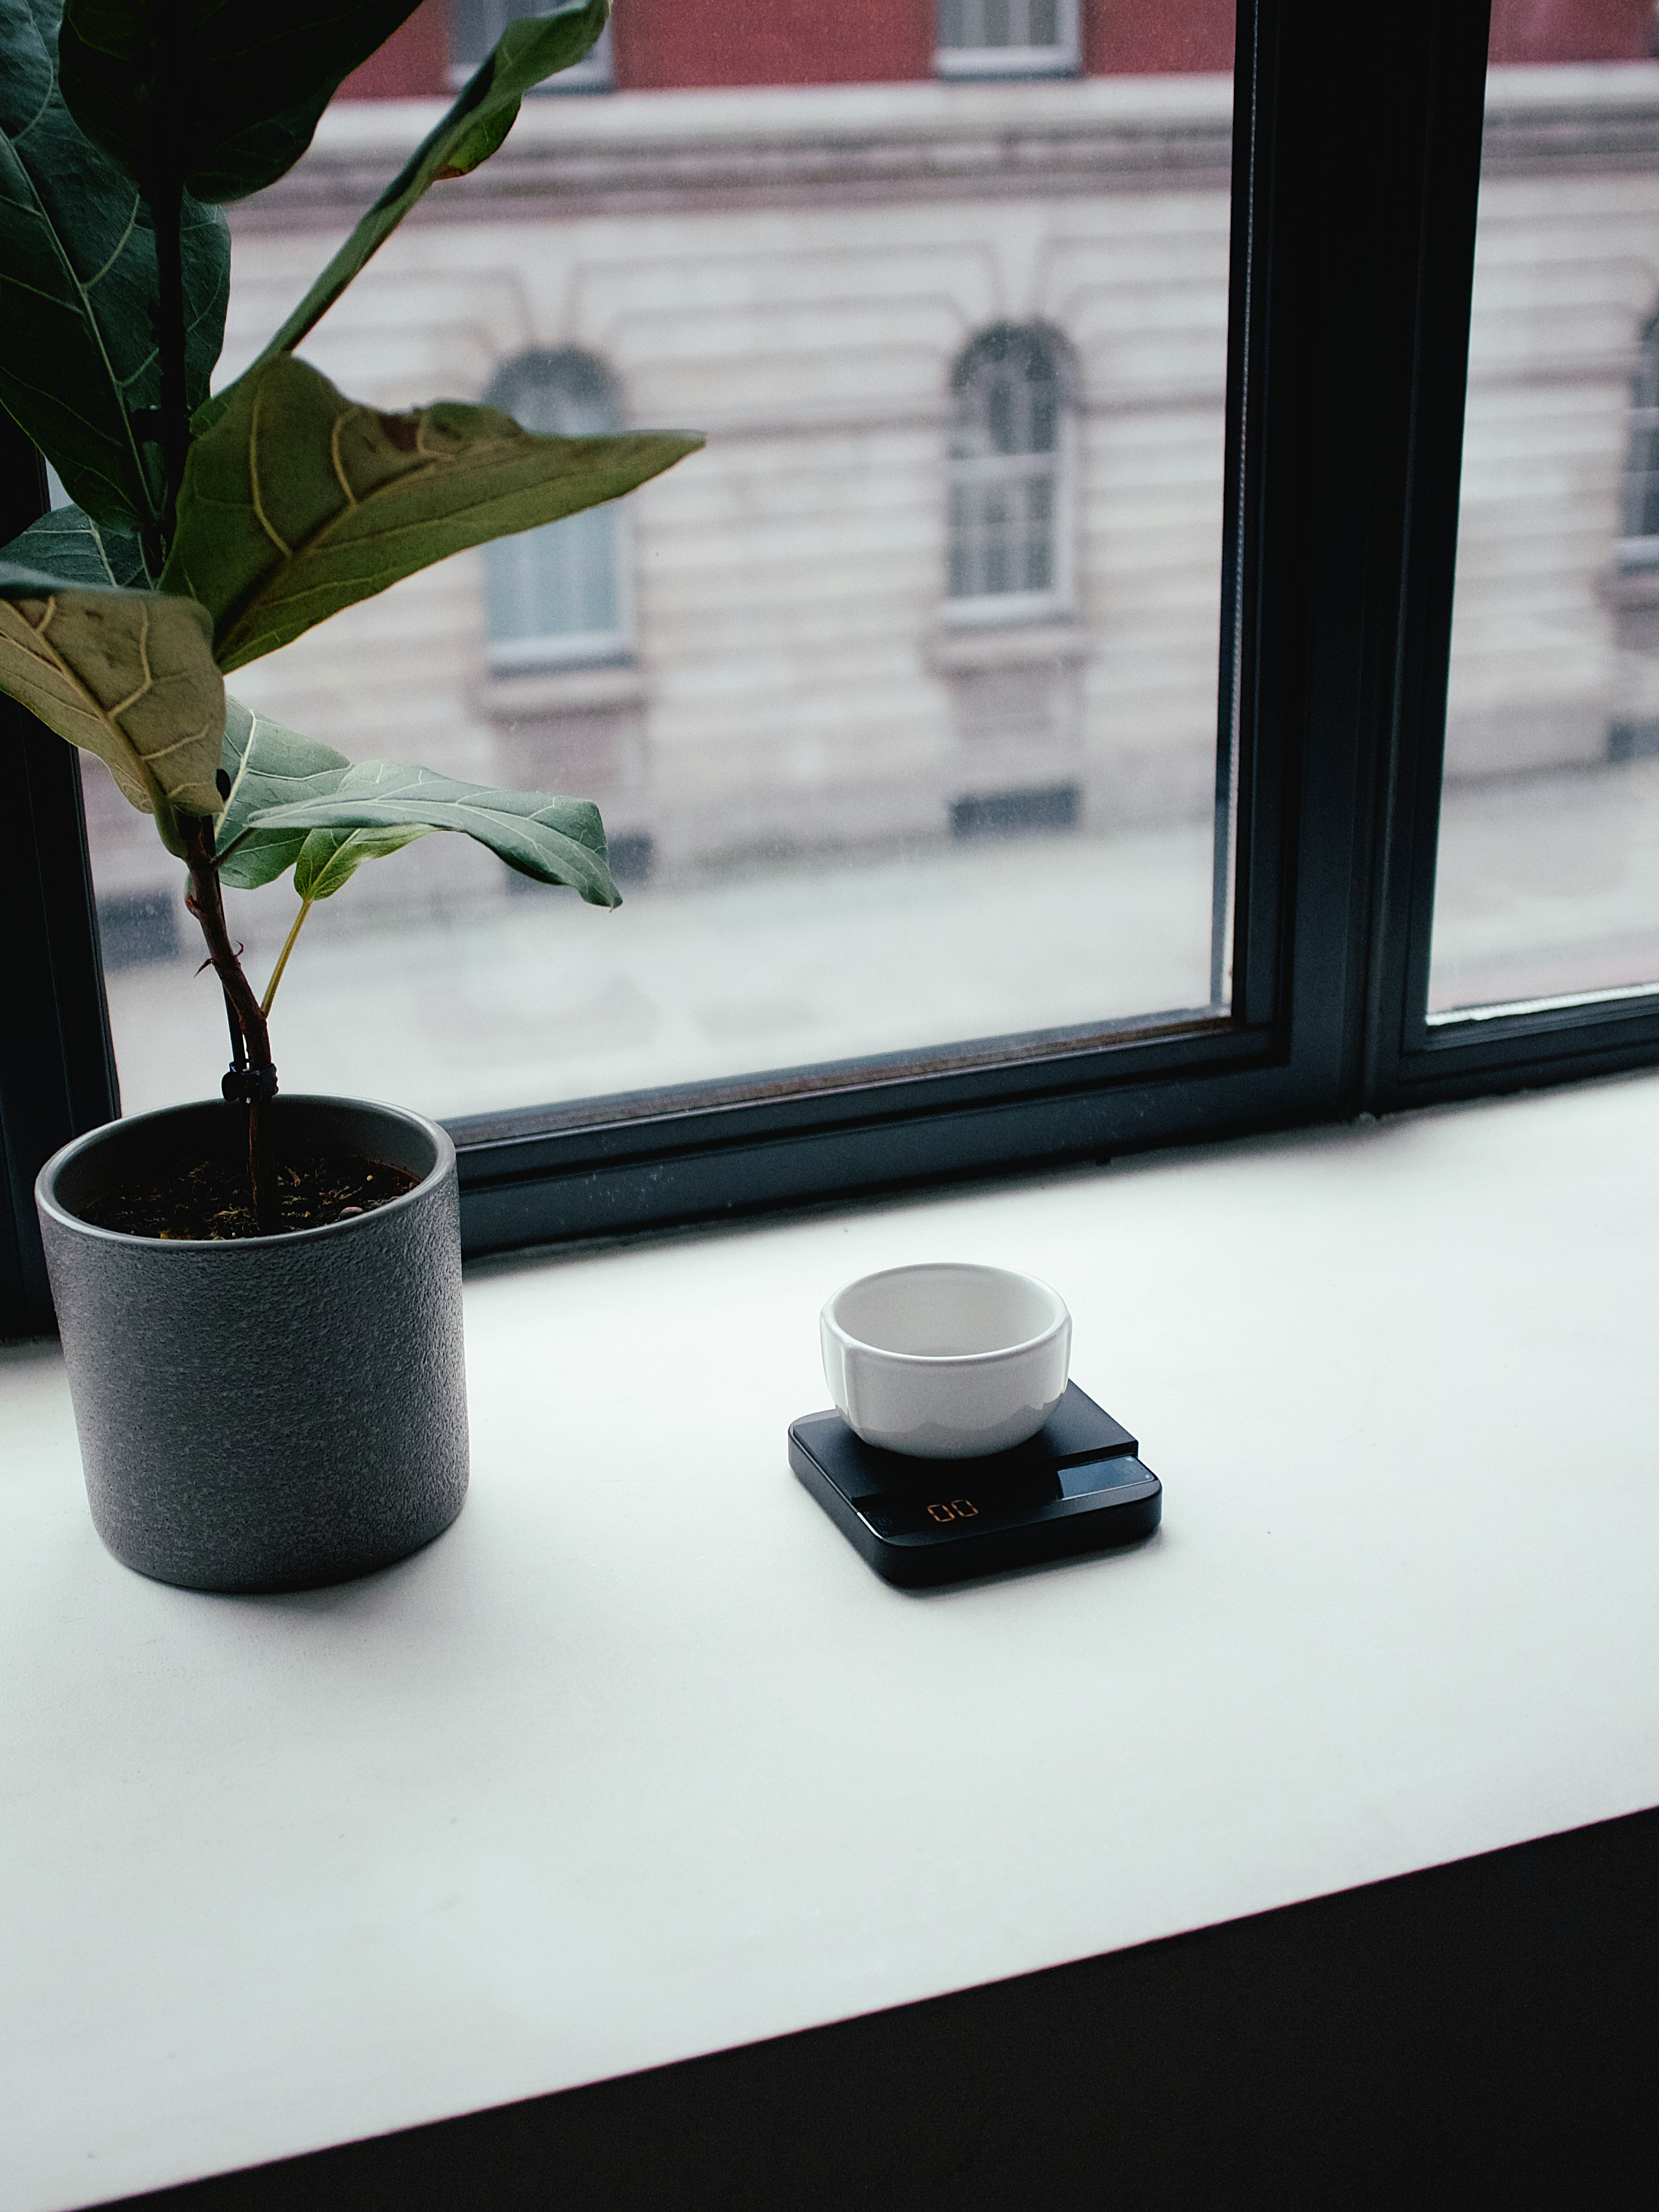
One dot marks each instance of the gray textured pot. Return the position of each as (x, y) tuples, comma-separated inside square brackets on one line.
[(275, 1412)]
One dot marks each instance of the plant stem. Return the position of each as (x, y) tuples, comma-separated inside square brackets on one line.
[(206, 902), (162, 96), (253, 1073), (166, 198), (288, 943)]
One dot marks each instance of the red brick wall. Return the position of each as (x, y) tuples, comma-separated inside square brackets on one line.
[(1135, 37), (412, 64), (667, 42), (714, 42), (1571, 30)]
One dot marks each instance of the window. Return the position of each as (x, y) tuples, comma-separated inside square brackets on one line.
[(1007, 38), (474, 26), (900, 931), (558, 594), (1007, 552)]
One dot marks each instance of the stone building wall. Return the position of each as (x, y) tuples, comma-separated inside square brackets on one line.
[(795, 271), (1567, 279)]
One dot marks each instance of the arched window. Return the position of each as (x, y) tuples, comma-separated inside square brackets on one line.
[(1006, 474), (1639, 544), (557, 593)]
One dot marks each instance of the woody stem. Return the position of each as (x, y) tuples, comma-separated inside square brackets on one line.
[(206, 902)]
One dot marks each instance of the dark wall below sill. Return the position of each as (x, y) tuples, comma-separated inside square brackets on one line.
[(1484, 2033)]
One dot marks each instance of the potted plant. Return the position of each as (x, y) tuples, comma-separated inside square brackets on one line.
[(258, 1296)]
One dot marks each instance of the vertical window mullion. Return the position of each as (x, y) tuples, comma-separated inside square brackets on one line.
[(1358, 272), (1413, 686)]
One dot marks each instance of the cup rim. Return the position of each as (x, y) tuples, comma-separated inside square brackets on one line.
[(1061, 1320)]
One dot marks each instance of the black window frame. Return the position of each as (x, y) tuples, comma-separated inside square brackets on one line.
[(1354, 198)]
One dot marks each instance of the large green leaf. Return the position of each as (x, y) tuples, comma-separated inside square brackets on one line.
[(129, 676), (295, 803), (77, 282), (536, 47), (72, 546), (223, 94), (299, 501), (555, 841), (266, 765)]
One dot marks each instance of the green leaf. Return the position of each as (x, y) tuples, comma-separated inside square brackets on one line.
[(269, 767), (72, 547), (555, 841), (535, 47), (77, 279), (128, 675), (330, 857), (299, 501), (224, 94), (296, 803), (266, 765)]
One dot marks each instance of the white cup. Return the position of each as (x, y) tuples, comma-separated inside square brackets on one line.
[(946, 1361)]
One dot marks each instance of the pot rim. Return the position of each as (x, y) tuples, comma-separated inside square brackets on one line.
[(46, 1199)]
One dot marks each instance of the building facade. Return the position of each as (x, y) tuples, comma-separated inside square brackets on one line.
[(947, 292)]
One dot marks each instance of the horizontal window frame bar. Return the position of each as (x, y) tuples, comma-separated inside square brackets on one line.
[(696, 1175), (1608, 1001), (1547, 1045), (635, 1124)]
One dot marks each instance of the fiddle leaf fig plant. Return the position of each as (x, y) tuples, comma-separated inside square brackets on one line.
[(209, 530), (298, 501)]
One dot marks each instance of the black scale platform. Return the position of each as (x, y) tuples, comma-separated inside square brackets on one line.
[(1078, 1485)]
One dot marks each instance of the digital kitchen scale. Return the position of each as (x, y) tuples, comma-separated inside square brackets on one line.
[(1078, 1485)]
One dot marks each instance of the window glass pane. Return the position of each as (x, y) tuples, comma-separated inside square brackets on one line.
[(1548, 873), (899, 699)]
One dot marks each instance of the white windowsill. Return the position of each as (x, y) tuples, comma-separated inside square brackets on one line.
[(968, 648), (563, 649), (641, 1761), (1005, 610), (981, 61), (506, 695)]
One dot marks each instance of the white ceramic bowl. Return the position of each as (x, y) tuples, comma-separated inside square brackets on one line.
[(946, 1361)]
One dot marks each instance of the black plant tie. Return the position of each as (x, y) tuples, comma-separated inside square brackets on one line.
[(249, 1086)]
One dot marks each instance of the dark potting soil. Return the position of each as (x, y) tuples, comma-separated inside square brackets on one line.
[(211, 1202)]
